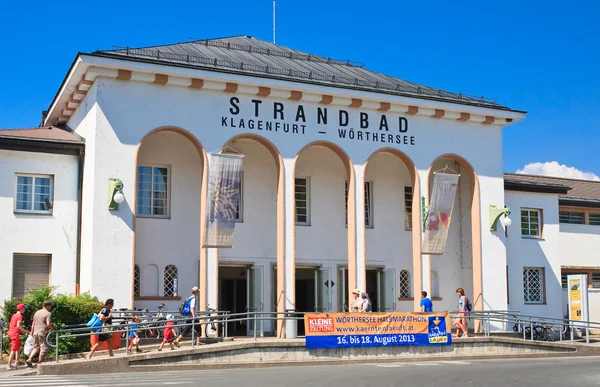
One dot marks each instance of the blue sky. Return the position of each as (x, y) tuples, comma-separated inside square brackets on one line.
[(537, 56)]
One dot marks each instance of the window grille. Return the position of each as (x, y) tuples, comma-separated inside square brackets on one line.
[(533, 285), (405, 288), (170, 283), (594, 219), (136, 281)]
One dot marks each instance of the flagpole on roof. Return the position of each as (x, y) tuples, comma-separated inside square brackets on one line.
[(274, 28)]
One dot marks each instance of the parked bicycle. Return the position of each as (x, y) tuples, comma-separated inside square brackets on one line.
[(541, 332), (155, 323), (214, 316)]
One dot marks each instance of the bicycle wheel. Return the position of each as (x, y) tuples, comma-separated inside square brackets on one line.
[(549, 334), (151, 333)]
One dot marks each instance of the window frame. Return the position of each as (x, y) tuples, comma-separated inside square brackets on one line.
[(408, 220), (562, 214), (593, 214), (34, 176), (239, 212), (170, 292), (169, 192), (410, 290), (369, 204), (540, 222), (308, 202), (543, 285)]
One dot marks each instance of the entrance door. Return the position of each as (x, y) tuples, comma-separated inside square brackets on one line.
[(324, 286), (254, 299), (374, 288), (388, 290), (306, 293), (233, 296)]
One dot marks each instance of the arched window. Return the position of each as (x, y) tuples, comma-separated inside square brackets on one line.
[(405, 288), (136, 280), (170, 283), (435, 284)]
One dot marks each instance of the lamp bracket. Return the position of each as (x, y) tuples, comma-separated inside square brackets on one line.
[(114, 186), (495, 214)]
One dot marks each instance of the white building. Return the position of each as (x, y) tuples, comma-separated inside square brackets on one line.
[(323, 140)]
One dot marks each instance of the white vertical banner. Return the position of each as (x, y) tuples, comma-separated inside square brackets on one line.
[(437, 221), (224, 173)]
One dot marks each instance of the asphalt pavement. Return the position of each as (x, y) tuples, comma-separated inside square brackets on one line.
[(547, 372)]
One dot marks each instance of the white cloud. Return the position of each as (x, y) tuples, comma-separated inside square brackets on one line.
[(554, 169)]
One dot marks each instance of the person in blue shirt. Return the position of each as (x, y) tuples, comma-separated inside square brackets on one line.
[(426, 304)]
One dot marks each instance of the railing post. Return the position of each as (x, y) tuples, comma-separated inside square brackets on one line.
[(127, 340), (571, 325), (562, 326), (262, 320), (255, 326), (56, 349), (193, 331), (225, 328), (587, 333), (531, 328)]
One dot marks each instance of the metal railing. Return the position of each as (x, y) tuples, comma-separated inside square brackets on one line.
[(526, 324)]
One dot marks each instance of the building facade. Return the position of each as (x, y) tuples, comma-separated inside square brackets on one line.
[(338, 163)]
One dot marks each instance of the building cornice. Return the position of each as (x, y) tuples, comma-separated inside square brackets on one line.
[(41, 146), (88, 68)]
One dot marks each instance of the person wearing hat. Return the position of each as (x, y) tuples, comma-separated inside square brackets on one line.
[(40, 326), (14, 334), (191, 303), (357, 302)]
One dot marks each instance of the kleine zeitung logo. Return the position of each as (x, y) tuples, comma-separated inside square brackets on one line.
[(320, 324)]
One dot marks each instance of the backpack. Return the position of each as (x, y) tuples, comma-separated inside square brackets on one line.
[(184, 308), (469, 305)]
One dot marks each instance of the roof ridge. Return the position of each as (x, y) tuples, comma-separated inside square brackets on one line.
[(551, 177)]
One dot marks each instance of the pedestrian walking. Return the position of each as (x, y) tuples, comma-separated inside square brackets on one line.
[(106, 317), (189, 309), (366, 304), (134, 338), (460, 322), (15, 329), (426, 303), (39, 328), (357, 302), (169, 336)]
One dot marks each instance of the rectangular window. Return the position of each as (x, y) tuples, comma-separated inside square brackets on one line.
[(531, 223), (29, 272), (239, 209), (408, 196), (534, 285), (368, 203), (153, 191), (571, 217), (594, 219), (34, 194), (302, 201)]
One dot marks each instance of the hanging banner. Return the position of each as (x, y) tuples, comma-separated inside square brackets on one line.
[(578, 299), (437, 221), (344, 330), (224, 173)]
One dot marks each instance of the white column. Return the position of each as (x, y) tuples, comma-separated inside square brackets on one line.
[(212, 277), (361, 257), (425, 259), (291, 326)]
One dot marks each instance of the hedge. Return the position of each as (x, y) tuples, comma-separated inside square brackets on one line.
[(67, 310)]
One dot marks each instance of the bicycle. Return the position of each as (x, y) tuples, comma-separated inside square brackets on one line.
[(212, 321), (156, 323)]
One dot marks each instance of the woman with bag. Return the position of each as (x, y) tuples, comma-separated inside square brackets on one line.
[(14, 334), (105, 316)]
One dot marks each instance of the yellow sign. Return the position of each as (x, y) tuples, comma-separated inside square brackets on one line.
[(575, 299)]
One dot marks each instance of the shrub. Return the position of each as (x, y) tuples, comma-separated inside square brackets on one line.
[(68, 310)]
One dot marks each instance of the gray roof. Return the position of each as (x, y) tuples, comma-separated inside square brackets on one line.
[(250, 56)]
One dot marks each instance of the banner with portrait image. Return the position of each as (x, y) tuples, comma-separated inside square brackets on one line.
[(437, 221), (224, 174)]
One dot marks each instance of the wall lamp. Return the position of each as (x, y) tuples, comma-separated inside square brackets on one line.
[(496, 213), (115, 194)]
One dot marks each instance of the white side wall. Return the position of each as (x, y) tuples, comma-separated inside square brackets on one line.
[(534, 252), (54, 234)]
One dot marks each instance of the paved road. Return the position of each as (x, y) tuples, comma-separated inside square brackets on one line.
[(556, 372)]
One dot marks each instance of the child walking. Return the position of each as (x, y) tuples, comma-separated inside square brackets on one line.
[(134, 338), (169, 336)]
